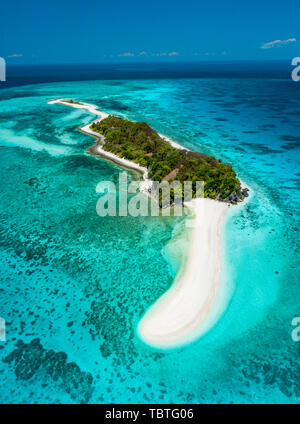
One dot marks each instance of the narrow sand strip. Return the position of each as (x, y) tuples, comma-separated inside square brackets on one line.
[(91, 108), (173, 144), (94, 109), (98, 150), (182, 314)]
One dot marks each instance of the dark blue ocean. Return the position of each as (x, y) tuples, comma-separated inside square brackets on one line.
[(74, 285)]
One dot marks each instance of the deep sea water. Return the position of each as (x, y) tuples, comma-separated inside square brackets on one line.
[(74, 285)]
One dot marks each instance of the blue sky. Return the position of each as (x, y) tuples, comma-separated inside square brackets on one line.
[(60, 31)]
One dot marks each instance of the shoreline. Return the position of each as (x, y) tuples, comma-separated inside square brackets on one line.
[(182, 313), (98, 151)]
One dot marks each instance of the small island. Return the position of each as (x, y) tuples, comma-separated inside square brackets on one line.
[(138, 142), (189, 308)]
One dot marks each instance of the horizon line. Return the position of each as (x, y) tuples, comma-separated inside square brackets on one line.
[(139, 62)]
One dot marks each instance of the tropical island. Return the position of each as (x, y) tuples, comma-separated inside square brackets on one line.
[(138, 142), (192, 304)]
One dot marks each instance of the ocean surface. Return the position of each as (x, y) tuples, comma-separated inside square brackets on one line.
[(74, 285)]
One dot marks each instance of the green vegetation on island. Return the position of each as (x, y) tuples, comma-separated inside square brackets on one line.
[(72, 102), (138, 142)]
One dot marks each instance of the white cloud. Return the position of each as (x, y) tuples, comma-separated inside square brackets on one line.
[(144, 53), (126, 54), (223, 53), (278, 43)]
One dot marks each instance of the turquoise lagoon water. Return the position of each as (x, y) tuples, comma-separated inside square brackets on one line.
[(74, 285)]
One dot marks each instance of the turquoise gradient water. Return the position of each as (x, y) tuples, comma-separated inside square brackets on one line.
[(80, 283)]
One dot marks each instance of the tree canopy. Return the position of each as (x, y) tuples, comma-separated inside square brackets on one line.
[(138, 142)]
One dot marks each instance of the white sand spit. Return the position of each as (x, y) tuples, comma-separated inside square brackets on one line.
[(180, 315), (188, 309)]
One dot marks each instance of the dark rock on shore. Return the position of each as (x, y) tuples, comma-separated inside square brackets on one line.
[(238, 197)]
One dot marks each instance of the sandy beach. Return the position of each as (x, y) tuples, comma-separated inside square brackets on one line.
[(182, 314), (91, 108), (97, 149), (173, 143)]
